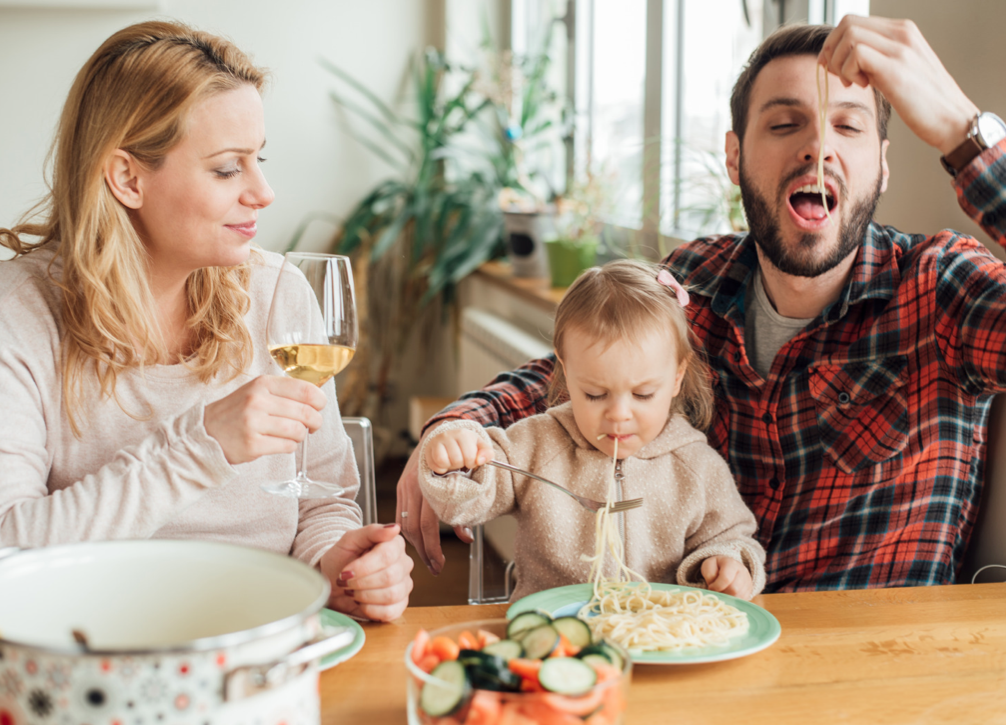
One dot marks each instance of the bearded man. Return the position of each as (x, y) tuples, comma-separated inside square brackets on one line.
[(854, 365)]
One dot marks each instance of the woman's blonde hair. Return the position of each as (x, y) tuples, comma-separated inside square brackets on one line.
[(134, 94), (624, 300)]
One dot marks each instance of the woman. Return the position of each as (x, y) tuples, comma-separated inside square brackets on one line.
[(139, 398)]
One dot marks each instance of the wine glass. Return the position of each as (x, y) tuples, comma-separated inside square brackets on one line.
[(312, 335)]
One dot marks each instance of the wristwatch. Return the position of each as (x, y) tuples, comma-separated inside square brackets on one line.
[(986, 131)]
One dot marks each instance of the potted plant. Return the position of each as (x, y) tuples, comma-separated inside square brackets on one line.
[(579, 220)]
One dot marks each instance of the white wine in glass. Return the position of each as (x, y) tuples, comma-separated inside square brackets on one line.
[(312, 336)]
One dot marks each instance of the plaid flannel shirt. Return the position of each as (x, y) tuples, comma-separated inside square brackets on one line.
[(862, 453)]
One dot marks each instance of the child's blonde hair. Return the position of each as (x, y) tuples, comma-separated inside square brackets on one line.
[(624, 300)]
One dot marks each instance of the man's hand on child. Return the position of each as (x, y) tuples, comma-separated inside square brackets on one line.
[(727, 575), (457, 449)]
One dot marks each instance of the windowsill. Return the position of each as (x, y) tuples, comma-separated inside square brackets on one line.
[(536, 290)]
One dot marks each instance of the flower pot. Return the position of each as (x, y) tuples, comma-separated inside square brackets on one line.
[(524, 232), (567, 258)]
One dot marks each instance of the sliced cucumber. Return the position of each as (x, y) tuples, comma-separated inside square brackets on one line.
[(487, 671), (613, 655), (508, 649), (524, 623), (567, 676), (449, 694), (575, 630), (540, 642), (595, 658), (596, 649)]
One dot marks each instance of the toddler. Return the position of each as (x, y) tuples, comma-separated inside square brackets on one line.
[(631, 373)]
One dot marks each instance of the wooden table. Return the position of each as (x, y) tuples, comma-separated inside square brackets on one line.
[(922, 655)]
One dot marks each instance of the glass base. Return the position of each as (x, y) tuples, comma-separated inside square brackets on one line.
[(304, 488)]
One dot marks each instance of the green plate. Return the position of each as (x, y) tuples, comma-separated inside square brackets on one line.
[(337, 619), (763, 628)]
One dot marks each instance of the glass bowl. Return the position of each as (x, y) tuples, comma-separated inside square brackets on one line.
[(603, 705)]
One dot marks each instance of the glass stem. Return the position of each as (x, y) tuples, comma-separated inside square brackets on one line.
[(302, 471)]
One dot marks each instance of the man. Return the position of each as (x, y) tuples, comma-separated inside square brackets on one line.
[(853, 365)]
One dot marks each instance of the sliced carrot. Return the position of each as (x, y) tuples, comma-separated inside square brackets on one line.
[(485, 708), (529, 685), (419, 645), (510, 714), (528, 669), (540, 712), (606, 672), (485, 638), (467, 640), (565, 648), (445, 648), (428, 663)]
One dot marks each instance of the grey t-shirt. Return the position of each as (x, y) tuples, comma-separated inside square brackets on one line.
[(765, 330)]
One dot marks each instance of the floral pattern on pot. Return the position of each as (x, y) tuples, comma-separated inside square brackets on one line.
[(38, 688)]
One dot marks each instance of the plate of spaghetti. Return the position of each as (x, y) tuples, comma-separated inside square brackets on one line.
[(656, 623), (663, 624)]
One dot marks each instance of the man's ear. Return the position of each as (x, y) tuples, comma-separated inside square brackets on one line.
[(122, 174), (885, 172), (733, 149)]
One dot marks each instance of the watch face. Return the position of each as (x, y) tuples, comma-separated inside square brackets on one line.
[(991, 129)]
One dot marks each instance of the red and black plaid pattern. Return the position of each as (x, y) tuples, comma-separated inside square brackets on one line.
[(862, 453)]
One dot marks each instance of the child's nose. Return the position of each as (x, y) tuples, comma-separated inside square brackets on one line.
[(619, 410)]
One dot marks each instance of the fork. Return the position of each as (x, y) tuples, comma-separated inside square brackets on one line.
[(588, 503)]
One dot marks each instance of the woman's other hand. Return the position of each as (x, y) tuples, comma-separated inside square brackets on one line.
[(370, 573), (271, 414)]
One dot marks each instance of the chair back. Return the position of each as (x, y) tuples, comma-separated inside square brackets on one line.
[(487, 584), (988, 540), (361, 433)]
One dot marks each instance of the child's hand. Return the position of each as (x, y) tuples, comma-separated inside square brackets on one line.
[(457, 449), (723, 574)]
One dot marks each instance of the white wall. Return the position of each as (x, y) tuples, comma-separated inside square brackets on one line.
[(967, 35), (312, 164)]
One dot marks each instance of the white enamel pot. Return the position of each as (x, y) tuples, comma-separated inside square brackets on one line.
[(188, 632)]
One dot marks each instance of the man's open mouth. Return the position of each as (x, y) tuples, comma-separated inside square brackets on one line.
[(808, 203)]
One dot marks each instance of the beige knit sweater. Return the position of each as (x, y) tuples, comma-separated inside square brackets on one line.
[(157, 476), (691, 508)]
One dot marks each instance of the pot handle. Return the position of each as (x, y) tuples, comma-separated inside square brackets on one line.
[(249, 680)]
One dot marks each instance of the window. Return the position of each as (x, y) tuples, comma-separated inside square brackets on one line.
[(650, 83)]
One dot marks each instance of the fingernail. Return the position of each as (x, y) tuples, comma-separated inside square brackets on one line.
[(340, 582), (437, 568), (468, 532), (346, 575), (390, 526), (349, 592)]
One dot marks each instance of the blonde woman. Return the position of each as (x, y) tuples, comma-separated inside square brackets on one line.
[(138, 397)]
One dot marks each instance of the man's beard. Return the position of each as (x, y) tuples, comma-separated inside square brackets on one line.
[(800, 261)]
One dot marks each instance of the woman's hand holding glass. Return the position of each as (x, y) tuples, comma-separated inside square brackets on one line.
[(269, 415)]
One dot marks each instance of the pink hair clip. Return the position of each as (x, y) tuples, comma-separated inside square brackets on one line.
[(665, 278)]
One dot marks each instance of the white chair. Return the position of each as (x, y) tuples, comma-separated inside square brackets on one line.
[(988, 540), (361, 433), (486, 587)]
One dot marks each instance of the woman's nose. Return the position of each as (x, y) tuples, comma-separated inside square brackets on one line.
[(258, 194)]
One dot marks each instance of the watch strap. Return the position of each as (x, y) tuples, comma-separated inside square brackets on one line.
[(965, 153)]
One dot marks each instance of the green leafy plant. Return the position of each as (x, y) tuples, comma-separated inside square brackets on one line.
[(414, 237)]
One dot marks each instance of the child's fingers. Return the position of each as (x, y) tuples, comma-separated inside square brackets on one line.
[(437, 457), (709, 569), (725, 573), (470, 451), (485, 452)]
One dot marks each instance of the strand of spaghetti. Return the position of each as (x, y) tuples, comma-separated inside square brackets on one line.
[(822, 117)]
